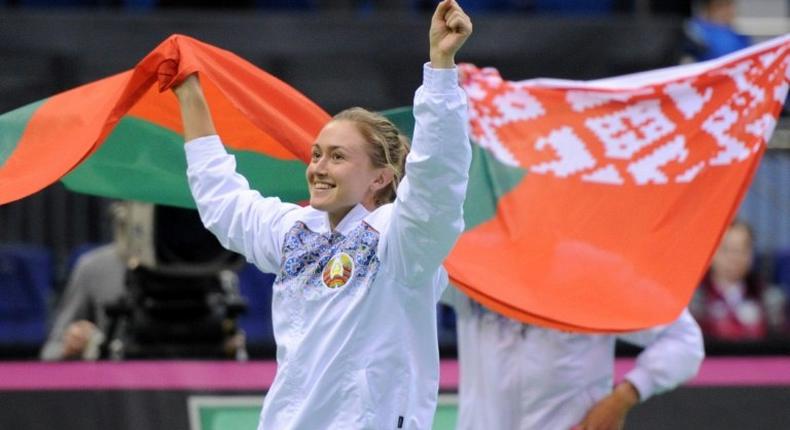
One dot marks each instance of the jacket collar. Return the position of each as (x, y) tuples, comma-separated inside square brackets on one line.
[(319, 221)]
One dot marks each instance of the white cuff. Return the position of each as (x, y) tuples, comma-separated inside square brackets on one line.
[(439, 80), (641, 380), (197, 148)]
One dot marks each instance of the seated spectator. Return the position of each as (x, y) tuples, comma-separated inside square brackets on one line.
[(99, 279), (732, 303), (96, 281), (710, 33)]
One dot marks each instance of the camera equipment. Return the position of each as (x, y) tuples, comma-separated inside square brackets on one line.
[(182, 298)]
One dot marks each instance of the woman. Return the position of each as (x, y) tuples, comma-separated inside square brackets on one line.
[(729, 302), (354, 301)]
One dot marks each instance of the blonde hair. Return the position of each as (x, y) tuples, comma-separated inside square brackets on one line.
[(388, 146)]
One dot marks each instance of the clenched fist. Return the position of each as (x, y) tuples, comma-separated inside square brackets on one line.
[(450, 27)]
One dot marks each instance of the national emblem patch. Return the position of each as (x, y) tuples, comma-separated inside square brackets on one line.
[(338, 271)]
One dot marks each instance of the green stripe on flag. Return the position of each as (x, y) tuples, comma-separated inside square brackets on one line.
[(403, 118), (12, 125), (143, 161), (489, 178)]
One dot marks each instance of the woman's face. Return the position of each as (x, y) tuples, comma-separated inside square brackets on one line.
[(733, 259), (341, 174)]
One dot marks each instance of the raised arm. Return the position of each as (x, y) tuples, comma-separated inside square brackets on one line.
[(195, 113), (427, 216), (450, 27), (240, 218)]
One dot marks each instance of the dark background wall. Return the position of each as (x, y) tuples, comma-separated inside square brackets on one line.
[(371, 59)]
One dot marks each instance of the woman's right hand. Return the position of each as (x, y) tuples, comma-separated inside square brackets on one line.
[(195, 113), (189, 86)]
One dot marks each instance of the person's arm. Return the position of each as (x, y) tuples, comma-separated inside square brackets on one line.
[(195, 114), (672, 355), (428, 212), (71, 330), (610, 412), (240, 218)]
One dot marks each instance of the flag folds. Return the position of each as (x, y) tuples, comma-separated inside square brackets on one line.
[(121, 136), (592, 206), (611, 195)]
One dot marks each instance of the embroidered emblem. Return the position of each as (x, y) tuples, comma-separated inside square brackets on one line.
[(338, 271), (306, 254)]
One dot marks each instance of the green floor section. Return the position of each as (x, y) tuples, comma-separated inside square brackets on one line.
[(219, 418), (241, 413), (446, 415)]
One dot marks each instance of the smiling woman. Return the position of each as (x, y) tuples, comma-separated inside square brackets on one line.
[(359, 271), (358, 158), (341, 174)]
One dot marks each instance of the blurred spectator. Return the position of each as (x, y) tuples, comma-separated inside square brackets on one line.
[(732, 303), (96, 281), (710, 33), (515, 375), (103, 276), (148, 249)]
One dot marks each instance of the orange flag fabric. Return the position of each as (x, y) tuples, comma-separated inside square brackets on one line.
[(626, 187), (254, 112)]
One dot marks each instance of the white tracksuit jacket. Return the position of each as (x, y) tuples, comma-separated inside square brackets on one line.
[(353, 310), (515, 376)]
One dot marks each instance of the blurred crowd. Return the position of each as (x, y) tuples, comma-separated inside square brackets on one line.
[(734, 303)]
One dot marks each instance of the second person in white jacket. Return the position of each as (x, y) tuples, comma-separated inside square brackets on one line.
[(518, 376)]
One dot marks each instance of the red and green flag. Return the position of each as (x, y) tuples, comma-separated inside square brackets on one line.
[(121, 137), (592, 206), (596, 206)]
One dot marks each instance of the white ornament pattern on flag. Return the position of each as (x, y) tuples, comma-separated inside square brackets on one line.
[(573, 155), (688, 99), (637, 134), (583, 100), (647, 170), (628, 131)]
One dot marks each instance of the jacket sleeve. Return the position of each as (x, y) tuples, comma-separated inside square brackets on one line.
[(241, 219), (427, 216), (672, 355), (452, 296)]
